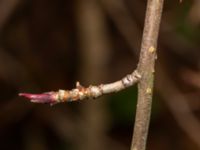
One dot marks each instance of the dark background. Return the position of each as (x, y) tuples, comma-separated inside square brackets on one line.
[(48, 45)]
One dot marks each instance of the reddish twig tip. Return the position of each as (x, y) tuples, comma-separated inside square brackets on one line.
[(49, 97)]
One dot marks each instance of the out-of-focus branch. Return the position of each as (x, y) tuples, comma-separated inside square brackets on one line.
[(94, 55), (64, 125), (194, 81), (146, 68), (9, 66), (177, 103), (123, 21), (80, 92), (194, 15), (6, 8)]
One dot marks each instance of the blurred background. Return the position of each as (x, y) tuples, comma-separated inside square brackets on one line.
[(49, 45)]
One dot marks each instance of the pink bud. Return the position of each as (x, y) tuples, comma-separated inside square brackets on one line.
[(49, 97)]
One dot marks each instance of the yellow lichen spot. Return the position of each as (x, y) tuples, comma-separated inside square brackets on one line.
[(156, 57), (153, 70), (158, 1), (149, 91), (152, 49)]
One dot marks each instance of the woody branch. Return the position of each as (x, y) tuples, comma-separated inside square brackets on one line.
[(144, 74), (146, 67), (80, 92)]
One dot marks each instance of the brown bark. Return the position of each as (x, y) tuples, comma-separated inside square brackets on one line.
[(146, 69)]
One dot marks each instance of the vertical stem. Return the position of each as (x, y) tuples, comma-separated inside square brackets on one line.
[(146, 69)]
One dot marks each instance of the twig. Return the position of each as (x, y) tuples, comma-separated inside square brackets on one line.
[(80, 92), (146, 68)]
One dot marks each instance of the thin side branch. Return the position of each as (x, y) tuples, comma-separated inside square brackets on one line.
[(80, 92), (146, 68)]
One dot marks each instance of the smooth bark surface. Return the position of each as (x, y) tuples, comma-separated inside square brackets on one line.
[(146, 69)]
